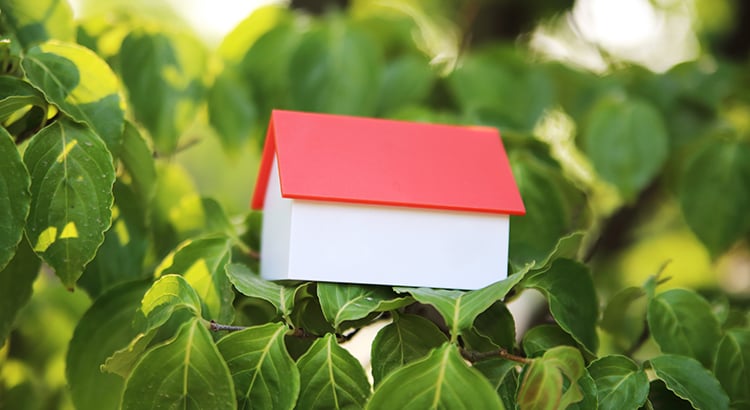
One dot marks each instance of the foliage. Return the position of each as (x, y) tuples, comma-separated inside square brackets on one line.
[(168, 310)]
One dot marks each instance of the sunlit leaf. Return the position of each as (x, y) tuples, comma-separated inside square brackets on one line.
[(234, 46), (105, 327), (36, 22), (168, 294), (689, 380), (682, 322), (17, 95), (403, 341), (265, 377), (14, 197), (714, 195), (331, 377), (620, 383), (342, 302), (81, 84), (732, 367), (543, 384), (250, 284), (459, 309), (71, 196), (572, 299), (137, 159), (187, 371), (202, 262), (15, 286), (440, 380)]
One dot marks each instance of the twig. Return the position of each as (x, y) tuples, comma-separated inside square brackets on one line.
[(473, 356), (217, 327), (347, 337)]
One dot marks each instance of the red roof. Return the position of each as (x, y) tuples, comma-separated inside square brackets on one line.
[(385, 162)]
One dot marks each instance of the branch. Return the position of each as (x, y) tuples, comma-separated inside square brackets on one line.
[(217, 327), (474, 357)]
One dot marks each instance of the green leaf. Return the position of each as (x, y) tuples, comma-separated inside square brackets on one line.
[(138, 161), (718, 169), (543, 384), (588, 388), (331, 377), (17, 95), (570, 292), (15, 199), (231, 109), (106, 326), (202, 263), (459, 309), (492, 329), (625, 316), (681, 322), (539, 339), (265, 376), (620, 383), (168, 294), (81, 84), (163, 75), (186, 372), (71, 196), (344, 302), (627, 143), (36, 22), (333, 70), (503, 377), (406, 80), (689, 380), (403, 341), (16, 280), (235, 45), (732, 367), (250, 284), (441, 380)]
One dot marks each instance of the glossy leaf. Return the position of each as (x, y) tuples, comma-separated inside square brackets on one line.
[(81, 84), (343, 302), (137, 159), (187, 371), (627, 143), (689, 380), (620, 383), (71, 196), (401, 342), (14, 197), (250, 284), (681, 322), (543, 385), (572, 299), (441, 380), (732, 367), (105, 327), (202, 262), (163, 75), (539, 339), (713, 173), (331, 377), (459, 309), (265, 376), (168, 294), (16, 280), (37, 22)]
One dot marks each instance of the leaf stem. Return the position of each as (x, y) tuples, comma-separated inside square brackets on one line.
[(217, 327), (473, 356)]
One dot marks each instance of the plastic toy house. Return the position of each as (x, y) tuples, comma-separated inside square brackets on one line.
[(364, 200)]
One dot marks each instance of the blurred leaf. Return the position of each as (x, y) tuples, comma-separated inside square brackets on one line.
[(36, 22), (331, 377), (732, 367), (250, 284), (625, 316), (620, 383), (503, 376), (459, 309), (71, 196), (714, 196), (232, 110), (690, 381), (121, 256), (265, 377), (176, 209), (15, 199), (333, 70), (627, 143), (217, 221), (406, 339), (237, 43), (543, 384), (570, 292), (167, 295), (17, 95), (187, 371), (202, 262), (441, 380), (541, 338), (81, 84), (21, 388), (681, 322), (138, 161), (105, 327), (407, 80), (344, 302), (16, 279), (163, 76)]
